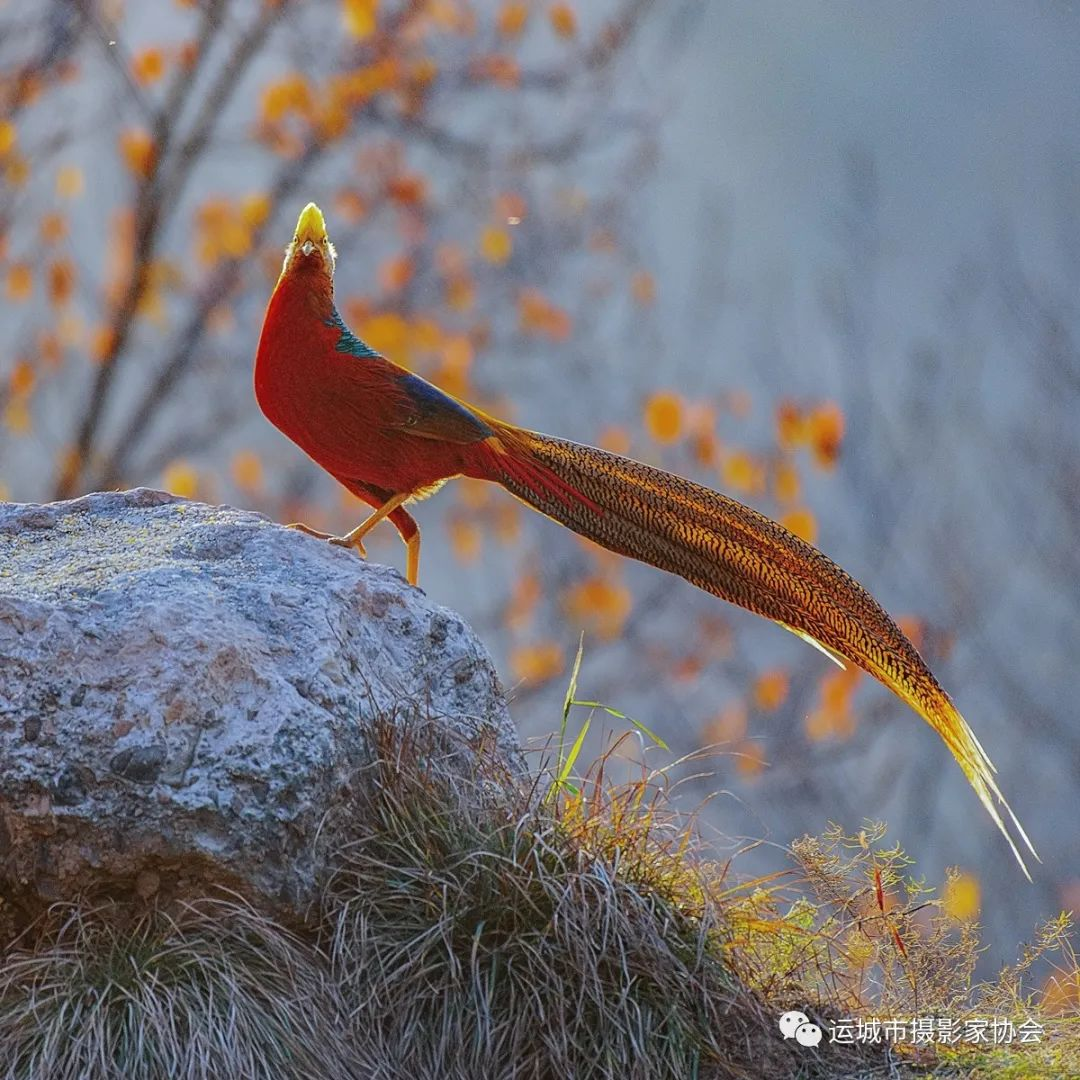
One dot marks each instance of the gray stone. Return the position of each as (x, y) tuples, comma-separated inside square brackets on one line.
[(187, 692)]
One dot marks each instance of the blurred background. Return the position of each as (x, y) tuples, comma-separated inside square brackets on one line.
[(823, 256)]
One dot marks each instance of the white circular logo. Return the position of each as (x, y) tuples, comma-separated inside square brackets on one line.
[(796, 1025)]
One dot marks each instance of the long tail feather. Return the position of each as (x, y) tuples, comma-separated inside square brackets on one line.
[(744, 557)]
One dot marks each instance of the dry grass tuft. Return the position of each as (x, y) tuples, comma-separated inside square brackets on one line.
[(214, 990), (540, 937)]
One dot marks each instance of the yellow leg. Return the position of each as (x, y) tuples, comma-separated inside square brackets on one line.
[(412, 560), (355, 538)]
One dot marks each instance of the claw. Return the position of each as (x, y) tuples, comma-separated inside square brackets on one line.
[(350, 542)]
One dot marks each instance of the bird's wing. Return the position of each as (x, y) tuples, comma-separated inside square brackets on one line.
[(425, 411)]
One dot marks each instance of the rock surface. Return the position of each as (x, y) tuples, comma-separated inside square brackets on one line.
[(186, 692)]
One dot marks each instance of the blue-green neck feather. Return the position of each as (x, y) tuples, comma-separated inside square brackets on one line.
[(348, 342)]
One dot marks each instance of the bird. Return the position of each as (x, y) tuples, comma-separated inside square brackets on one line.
[(392, 438)]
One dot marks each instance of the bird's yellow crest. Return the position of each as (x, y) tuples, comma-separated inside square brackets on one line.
[(310, 226)]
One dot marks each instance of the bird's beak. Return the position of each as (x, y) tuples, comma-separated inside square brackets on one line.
[(310, 230)]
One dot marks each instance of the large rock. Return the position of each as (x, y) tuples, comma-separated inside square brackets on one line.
[(186, 694)]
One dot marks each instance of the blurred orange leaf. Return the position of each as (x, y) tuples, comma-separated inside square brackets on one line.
[(21, 379), (961, 897), (255, 209), (224, 229), (563, 20), (69, 181), (791, 428), (834, 716), (395, 273), (460, 293), (407, 189), (643, 288), (750, 758), (465, 538), (17, 170), (8, 136), (513, 16), (537, 663), (663, 416), (497, 68), (350, 205), (53, 228), (102, 343), (495, 245), (70, 328), (359, 17), (20, 281), (615, 438), (826, 434), (386, 333), (137, 152), (771, 689), (523, 601), (742, 473), (17, 416), (148, 65), (457, 353), (600, 604), (187, 54), (61, 281), (290, 94), (729, 725), (49, 349), (474, 494), (786, 483), (507, 523), (802, 523), (247, 470), (538, 315), (181, 479)]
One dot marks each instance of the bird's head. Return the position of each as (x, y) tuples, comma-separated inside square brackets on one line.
[(310, 251)]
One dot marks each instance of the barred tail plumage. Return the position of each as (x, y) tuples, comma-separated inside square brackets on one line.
[(742, 556)]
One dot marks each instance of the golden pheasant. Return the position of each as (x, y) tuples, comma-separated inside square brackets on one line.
[(391, 438)]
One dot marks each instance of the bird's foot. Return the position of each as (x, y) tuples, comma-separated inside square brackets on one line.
[(348, 540)]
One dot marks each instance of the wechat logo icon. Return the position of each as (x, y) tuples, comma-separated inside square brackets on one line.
[(796, 1025)]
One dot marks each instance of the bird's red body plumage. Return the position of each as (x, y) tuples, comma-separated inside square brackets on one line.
[(346, 413)]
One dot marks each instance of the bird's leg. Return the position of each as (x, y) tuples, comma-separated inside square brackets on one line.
[(412, 560), (410, 535), (395, 512), (355, 538)]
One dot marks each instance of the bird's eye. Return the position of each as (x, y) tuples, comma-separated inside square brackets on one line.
[(296, 237)]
